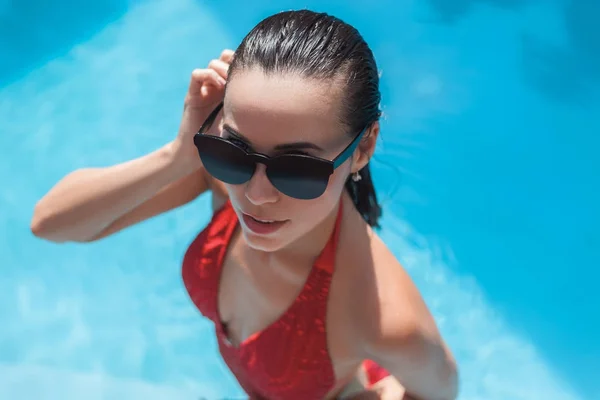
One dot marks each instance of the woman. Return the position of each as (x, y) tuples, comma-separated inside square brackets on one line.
[(307, 301)]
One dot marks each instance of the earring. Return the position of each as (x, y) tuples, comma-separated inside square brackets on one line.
[(356, 177)]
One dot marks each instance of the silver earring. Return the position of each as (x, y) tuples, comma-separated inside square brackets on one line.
[(356, 177)]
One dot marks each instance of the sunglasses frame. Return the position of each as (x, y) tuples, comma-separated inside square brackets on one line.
[(329, 165)]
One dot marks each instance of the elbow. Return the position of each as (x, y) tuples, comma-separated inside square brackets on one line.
[(37, 228), (41, 226), (443, 375), (39, 222), (450, 379), (446, 387), (453, 385), (444, 371)]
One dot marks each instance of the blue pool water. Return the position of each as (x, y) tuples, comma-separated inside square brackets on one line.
[(491, 116)]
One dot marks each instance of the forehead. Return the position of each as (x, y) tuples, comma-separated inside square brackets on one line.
[(279, 108)]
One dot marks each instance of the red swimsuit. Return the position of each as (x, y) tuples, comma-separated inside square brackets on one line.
[(288, 359)]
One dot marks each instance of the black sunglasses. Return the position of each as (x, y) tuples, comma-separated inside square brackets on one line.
[(299, 176)]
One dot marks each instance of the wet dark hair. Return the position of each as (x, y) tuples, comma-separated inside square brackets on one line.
[(320, 46)]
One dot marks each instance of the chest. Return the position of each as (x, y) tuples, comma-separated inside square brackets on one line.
[(279, 317), (255, 291)]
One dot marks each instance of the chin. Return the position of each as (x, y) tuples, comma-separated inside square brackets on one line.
[(262, 243)]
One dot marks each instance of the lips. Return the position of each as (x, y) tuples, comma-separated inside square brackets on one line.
[(261, 219), (264, 221), (261, 226)]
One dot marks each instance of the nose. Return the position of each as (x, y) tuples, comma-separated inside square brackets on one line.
[(259, 190)]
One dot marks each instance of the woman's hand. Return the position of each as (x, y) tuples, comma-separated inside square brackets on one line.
[(386, 389), (205, 92)]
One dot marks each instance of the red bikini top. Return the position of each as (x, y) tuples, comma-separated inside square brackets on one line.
[(289, 359)]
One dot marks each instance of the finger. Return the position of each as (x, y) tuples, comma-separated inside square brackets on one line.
[(201, 77), (221, 67), (227, 56)]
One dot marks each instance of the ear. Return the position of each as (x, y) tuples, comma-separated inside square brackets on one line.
[(366, 148)]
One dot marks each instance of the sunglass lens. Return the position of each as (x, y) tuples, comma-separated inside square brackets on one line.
[(299, 177), (223, 160)]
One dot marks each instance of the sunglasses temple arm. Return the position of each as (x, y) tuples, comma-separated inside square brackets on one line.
[(211, 118), (344, 155)]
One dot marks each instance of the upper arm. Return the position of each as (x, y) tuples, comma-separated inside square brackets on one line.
[(403, 338), (171, 196), (421, 362)]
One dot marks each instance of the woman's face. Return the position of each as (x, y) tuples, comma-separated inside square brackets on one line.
[(280, 114)]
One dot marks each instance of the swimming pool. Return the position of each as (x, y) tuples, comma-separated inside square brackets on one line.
[(489, 119)]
